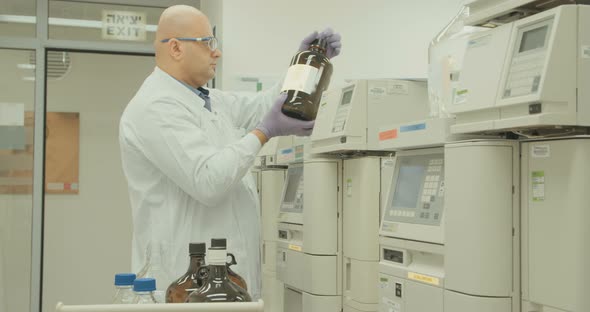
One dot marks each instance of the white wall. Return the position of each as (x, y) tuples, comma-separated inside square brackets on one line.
[(213, 9), (87, 237), (381, 38)]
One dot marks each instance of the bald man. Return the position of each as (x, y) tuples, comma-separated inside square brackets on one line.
[(187, 151)]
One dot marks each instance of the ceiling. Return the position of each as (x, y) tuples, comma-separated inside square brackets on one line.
[(28, 7)]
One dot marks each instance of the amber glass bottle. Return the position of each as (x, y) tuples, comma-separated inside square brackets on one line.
[(307, 78), (179, 290), (233, 276), (217, 287)]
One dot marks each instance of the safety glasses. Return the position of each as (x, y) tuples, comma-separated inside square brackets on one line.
[(211, 41)]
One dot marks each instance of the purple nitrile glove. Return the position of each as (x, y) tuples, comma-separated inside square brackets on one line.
[(275, 123), (334, 41)]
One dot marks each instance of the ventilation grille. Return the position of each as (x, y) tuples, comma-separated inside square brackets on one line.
[(58, 63)]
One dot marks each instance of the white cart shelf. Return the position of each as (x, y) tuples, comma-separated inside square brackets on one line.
[(171, 307)]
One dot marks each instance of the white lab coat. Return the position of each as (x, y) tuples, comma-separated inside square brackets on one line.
[(188, 173)]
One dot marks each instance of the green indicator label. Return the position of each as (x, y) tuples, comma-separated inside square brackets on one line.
[(538, 186), (383, 279)]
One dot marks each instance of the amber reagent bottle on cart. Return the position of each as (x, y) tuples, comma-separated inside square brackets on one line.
[(307, 78), (233, 276), (179, 290), (217, 286)]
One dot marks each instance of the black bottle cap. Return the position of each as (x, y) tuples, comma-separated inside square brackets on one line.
[(197, 248), (218, 243), (320, 43)]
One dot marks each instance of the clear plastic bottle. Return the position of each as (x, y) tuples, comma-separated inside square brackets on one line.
[(307, 78), (144, 290), (218, 287), (179, 290), (124, 288), (153, 268)]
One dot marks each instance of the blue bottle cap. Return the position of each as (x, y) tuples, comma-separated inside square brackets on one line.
[(144, 284), (124, 279)]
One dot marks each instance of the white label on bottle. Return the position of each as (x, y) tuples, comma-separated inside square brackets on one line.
[(302, 78)]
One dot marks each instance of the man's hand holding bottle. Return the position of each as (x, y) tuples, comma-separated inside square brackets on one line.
[(275, 123)]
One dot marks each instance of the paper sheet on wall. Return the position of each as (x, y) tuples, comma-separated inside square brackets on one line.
[(12, 114), (62, 153), (12, 137), (61, 157)]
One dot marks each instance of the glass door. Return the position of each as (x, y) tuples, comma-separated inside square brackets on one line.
[(84, 181), (17, 97)]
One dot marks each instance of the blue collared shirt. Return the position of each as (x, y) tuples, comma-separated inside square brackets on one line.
[(201, 92)]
